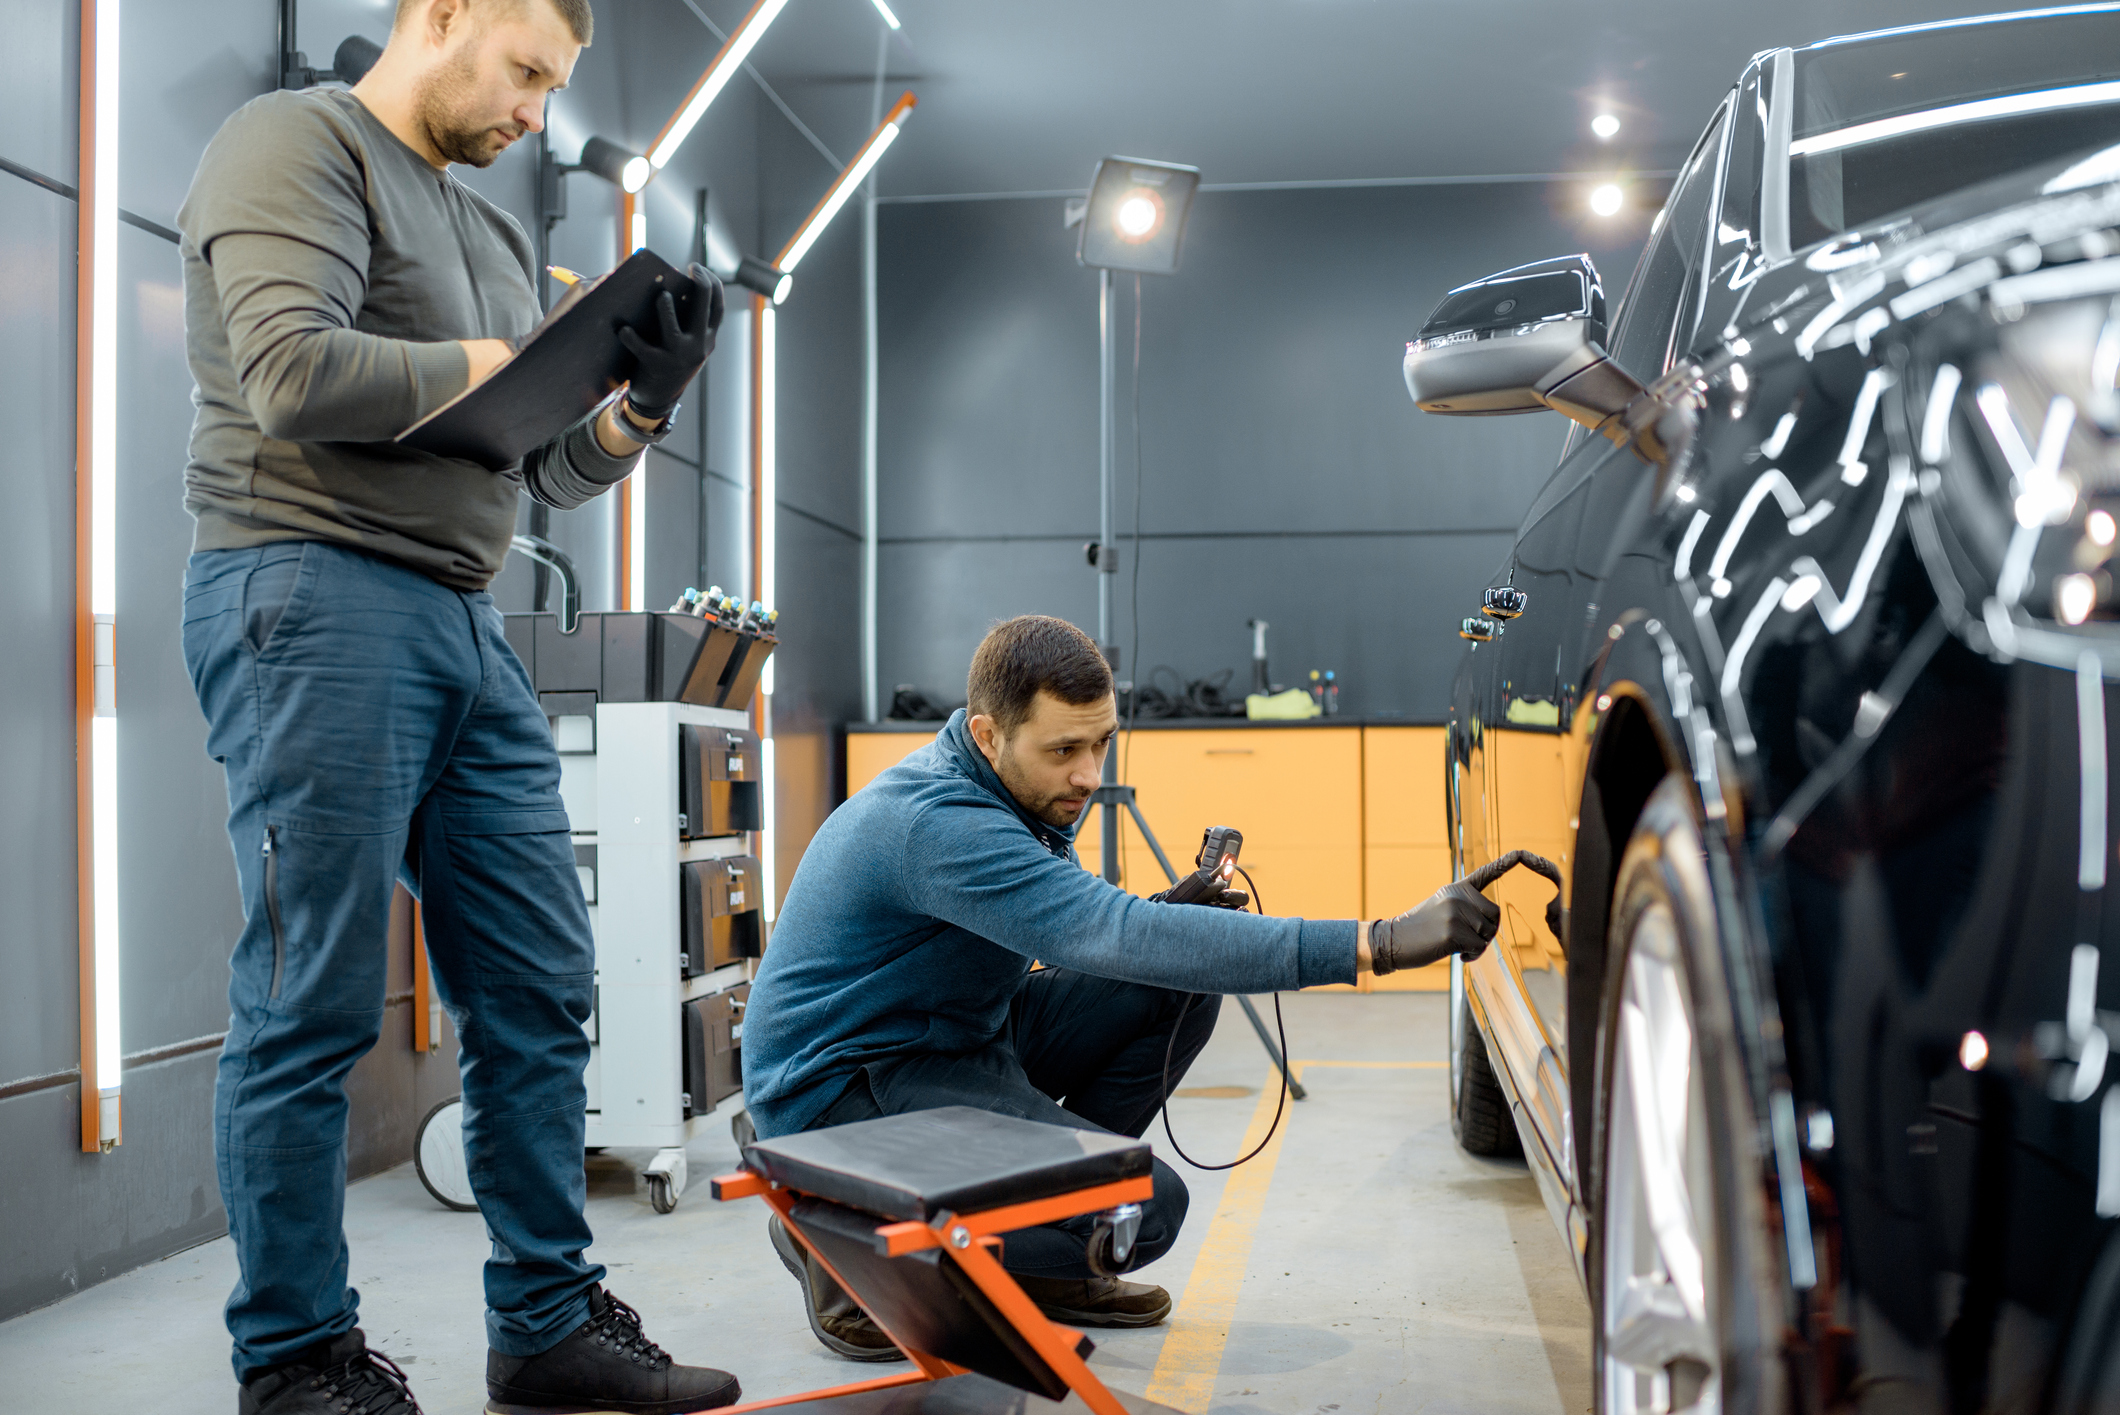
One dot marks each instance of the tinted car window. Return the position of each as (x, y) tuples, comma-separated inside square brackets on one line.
[(1884, 124), (1676, 243)]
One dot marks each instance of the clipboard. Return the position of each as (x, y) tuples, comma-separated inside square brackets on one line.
[(571, 363)]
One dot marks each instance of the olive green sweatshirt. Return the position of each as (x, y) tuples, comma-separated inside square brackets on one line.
[(328, 272)]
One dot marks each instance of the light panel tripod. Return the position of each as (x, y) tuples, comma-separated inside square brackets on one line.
[(1111, 796)]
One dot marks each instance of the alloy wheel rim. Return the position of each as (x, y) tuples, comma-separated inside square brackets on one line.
[(1659, 1347)]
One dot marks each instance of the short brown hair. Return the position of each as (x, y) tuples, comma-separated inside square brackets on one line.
[(580, 23), (1033, 653)]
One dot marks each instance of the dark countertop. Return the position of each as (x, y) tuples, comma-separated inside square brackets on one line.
[(1189, 723)]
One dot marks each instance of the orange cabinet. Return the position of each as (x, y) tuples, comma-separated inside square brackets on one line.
[(1405, 834), (1296, 793), (869, 754)]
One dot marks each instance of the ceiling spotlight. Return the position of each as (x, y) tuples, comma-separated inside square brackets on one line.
[(768, 280), (628, 171), (1606, 199), (1604, 125), (2100, 527), (1135, 218)]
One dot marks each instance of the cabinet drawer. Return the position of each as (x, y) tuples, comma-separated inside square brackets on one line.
[(1280, 786), (1402, 786), (1397, 877)]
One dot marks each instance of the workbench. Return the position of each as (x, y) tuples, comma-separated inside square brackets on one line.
[(1342, 818)]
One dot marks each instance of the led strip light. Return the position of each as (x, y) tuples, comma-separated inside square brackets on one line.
[(96, 578)]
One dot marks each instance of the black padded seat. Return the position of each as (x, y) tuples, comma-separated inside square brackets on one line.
[(957, 1159)]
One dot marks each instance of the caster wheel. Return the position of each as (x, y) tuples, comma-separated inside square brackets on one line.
[(659, 1193), (438, 1157)]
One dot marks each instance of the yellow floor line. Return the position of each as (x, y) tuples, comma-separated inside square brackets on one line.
[(1199, 1328)]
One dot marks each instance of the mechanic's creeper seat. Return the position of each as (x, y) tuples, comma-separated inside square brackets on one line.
[(906, 1212)]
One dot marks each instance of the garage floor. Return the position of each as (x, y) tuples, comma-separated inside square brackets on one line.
[(1362, 1263)]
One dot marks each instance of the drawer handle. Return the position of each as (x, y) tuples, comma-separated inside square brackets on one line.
[(1229, 751)]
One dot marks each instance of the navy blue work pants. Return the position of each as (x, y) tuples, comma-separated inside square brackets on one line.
[(375, 726), (1078, 1050)]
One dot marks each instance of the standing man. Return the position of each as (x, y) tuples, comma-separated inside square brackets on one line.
[(340, 284)]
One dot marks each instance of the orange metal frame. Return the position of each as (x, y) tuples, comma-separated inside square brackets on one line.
[(423, 1031), (972, 1242)]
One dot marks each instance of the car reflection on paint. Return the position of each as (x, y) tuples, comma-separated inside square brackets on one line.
[(1806, 689)]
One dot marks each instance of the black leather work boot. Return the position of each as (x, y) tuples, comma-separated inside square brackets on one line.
[(608, 1366), (1096, 1301), (340, 1377), (835, 1318)]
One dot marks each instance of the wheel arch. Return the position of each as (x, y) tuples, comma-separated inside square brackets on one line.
[(1631, 753)]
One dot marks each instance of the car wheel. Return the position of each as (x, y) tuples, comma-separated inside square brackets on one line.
[(1676, 1232), (1479, 1110)]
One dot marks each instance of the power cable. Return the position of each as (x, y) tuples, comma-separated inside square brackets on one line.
[(1170, 1049)]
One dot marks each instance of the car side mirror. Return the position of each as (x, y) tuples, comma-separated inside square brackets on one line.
[(1528, 338)]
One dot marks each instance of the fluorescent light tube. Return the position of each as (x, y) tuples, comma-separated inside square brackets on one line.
[(768, 478), (715, 79), (848, 181)]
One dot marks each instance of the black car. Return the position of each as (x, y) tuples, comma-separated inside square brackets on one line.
[(1802, 665)]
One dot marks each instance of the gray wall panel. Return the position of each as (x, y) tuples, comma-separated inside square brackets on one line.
[(818, 378), (182, 80), (40, 94), (178, 902), (673, 492), (69, 1220), (39, 1031), (1276, 440)]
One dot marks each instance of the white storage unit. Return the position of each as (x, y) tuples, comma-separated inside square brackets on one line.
[(623, 771)]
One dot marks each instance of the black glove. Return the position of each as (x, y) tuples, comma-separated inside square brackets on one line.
[(665, 369), (1455, 919)]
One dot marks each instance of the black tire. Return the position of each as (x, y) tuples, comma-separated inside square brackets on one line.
[(660, 1195), (1479, 1112)]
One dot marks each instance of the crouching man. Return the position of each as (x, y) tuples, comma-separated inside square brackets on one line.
[(899, 976)]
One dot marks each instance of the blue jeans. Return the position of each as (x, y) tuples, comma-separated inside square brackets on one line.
[(1078, 1050), (376, 726)]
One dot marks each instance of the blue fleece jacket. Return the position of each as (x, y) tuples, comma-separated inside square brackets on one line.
[(918, 908)]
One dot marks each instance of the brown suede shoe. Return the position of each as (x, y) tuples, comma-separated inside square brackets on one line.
[(835, 1318), (1096, 1301)]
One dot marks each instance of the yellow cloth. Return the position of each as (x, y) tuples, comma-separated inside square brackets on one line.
[(1295, 703)]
